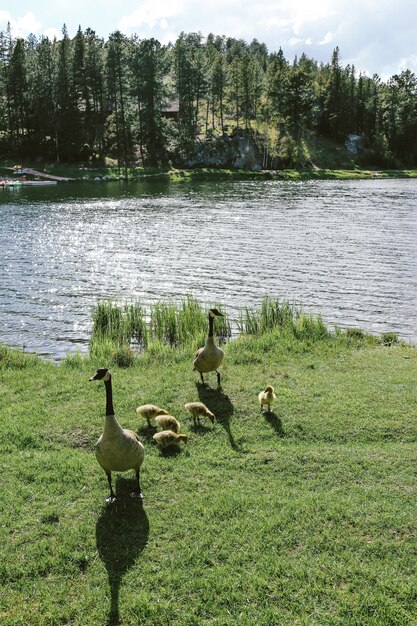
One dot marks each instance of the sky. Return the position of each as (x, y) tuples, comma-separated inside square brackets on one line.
[(376, 36)]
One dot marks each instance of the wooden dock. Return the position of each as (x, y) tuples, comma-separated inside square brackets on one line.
[(30, 172)]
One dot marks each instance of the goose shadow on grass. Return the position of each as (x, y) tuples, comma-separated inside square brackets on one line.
[(122, 532), (275, 421), (220, 404)]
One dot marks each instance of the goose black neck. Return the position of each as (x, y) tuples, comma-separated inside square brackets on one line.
[(211, 326), (109, 397)]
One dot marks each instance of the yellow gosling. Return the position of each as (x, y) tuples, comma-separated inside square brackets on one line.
[(197, 410), (118, 449), (167, 438), (267, 397), (167, 422), (150, 411), (209, 357)]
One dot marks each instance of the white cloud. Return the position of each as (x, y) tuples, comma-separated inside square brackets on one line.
[(53, 33), (328, 38), (151, 14), (409, 63), (374, 35), (21, 26)]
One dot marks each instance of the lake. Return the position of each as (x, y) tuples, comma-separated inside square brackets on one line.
[(346, 250)]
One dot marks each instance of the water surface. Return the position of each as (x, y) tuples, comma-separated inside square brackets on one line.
[(346, 250)]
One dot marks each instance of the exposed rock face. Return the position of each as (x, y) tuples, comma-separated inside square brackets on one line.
[(354, 143), (238, 151), (246, 152)]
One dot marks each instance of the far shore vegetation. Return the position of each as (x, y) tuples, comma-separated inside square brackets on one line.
[(302, 515), (85, 99), (327, 161), (110, 173)]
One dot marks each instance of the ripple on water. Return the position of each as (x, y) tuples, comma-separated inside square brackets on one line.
[(346, 250)]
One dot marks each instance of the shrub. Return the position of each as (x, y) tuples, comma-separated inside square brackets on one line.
[(389, 338)]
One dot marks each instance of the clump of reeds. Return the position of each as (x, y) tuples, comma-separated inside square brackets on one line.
[(163, 323), (117, 327), (110, 322), (274, 314), (11, 358)]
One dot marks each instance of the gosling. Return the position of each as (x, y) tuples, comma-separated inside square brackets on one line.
[(167, 438), (168, 422), (267, 397), (197, 410), (150, 411)]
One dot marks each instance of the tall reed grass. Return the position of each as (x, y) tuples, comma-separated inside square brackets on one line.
[(274, 314), (117, 328)]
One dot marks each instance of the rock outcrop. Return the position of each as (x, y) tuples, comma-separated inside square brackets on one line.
[(354, 143), (236, 151)]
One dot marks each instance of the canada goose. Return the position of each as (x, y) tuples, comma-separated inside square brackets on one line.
[(150, 411), (267, 397), (210, 357), (118, 449), (167, 422), (197, 410), (167, 438)]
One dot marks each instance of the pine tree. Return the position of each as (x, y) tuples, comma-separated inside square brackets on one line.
[(117, 86), (149, 67)]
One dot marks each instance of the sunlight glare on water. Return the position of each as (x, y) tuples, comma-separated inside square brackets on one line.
[(346, 250)]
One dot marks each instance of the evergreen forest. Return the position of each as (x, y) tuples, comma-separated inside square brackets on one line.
[(86, 99)]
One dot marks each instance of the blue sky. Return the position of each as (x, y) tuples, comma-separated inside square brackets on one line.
[(377, 36)]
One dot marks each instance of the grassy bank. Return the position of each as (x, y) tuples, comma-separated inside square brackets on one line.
[(302, 516), (173, 175), (292, 175)]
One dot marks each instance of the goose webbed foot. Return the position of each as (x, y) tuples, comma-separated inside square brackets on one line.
[(112, 497), (218, 380), (136, 495)]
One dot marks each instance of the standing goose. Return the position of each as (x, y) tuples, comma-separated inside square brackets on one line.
[(118, 449), (210, 357)]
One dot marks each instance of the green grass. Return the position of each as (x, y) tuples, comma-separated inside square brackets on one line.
[(339, 169), (304, 516)]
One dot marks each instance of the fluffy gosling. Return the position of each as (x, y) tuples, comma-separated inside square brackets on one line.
[(197, 410), (150, 411), (267, 397), (167, 438), (168, 422)]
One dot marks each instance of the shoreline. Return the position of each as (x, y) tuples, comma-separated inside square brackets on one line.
[(178, 175), (80, 173)]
